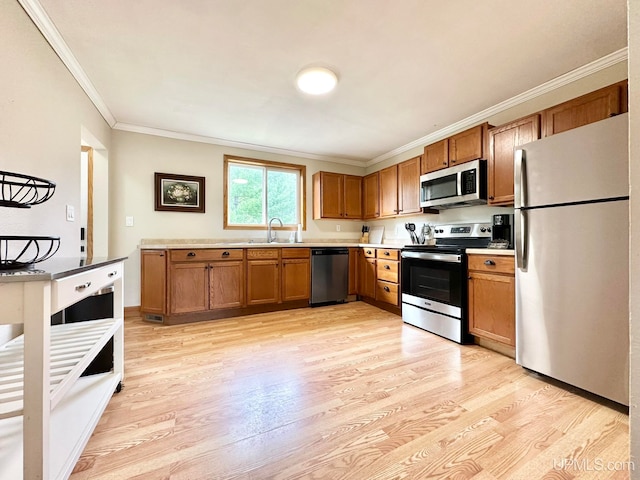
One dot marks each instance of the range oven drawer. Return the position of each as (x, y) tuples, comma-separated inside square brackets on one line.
[(443, 325)]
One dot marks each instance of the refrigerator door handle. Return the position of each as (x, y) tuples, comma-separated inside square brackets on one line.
[(520, 180), (520, 220)]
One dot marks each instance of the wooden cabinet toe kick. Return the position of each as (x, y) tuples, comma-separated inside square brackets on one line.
[(230, 312)]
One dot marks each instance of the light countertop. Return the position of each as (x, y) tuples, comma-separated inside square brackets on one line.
[(491, 251), (55, 268), (170, 244)]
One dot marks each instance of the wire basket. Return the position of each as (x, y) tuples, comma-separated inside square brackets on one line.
[(22, 191), (21, 251)]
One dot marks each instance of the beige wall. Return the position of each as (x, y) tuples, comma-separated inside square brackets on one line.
[(634, 162), (42, 112), (134, 159)]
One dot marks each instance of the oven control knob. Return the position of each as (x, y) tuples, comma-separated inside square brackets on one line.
[(483, 229)]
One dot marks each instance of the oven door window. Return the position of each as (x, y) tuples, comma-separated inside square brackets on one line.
[(433, 280), (437, 188)]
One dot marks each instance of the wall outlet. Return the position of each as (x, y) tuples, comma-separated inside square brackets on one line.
[(128, 221), (71, 213), (337, 228)]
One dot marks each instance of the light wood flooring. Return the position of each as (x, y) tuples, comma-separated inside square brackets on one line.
[(341, 392)]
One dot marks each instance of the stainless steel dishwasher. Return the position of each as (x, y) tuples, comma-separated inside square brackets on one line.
[(329, 275)]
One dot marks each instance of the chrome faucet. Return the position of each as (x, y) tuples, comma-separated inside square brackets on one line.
[(269, 237)]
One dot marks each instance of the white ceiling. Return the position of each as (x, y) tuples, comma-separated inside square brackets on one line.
[(224, 69)]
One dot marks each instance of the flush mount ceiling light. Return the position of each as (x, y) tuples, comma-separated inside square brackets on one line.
[(316, 80)]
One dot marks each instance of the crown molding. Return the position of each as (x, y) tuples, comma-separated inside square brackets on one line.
[(51, 34), (36, 12), (127, 127), (580, 72)]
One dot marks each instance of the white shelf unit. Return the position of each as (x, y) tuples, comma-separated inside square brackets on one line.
[(47, 410)]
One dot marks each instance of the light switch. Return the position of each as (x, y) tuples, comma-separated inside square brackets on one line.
[(128, 221), (337, 228), (71, 213)]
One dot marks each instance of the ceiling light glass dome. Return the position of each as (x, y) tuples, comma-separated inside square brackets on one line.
[(316, 80)]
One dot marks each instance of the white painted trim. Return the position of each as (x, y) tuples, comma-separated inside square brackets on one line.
[(127, 127), (580, 72), (40, 18)]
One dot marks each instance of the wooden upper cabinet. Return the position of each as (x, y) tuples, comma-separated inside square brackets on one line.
[(328, 195), (468, 145), (589, 108), (460, 148), (389, 191), (409, 186), (352, 196), (435, 157), (336, 195), (503, 141), (370, 196)]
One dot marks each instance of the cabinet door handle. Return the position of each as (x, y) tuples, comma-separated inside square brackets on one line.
[(387, 267), (162, 254), (79, 288), (489, 262), (225, 254), (491, 197), (191, 254), (387, 253), (368, 252), (387, 289), (112, 274)]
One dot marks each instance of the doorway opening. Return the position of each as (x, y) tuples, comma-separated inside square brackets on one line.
[(86, 200)]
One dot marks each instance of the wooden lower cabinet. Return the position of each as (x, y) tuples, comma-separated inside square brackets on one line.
[(226, 284), (296, 279), (353, 271), (153, 298), (387, 276), (492, 298), (367, 273), (263, 281), (189, 287)]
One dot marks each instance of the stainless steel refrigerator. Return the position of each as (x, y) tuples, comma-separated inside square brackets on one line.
[(572, 257)]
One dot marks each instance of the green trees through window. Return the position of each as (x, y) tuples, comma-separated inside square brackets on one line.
[(257, 191)]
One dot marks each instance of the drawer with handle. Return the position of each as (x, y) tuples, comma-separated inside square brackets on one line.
[(387, 292), (369, 252), (492, 263), (387, 270), (69, 290), (388, 253), (206, 254)]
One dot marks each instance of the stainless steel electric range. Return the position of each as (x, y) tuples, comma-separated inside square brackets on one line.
[(434, 279)]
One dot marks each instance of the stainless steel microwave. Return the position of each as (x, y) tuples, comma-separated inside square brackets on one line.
[(459, 186)]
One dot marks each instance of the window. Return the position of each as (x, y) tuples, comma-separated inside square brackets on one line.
[(256, 191)]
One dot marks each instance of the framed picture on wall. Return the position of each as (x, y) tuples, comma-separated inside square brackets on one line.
[(179, 193)]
